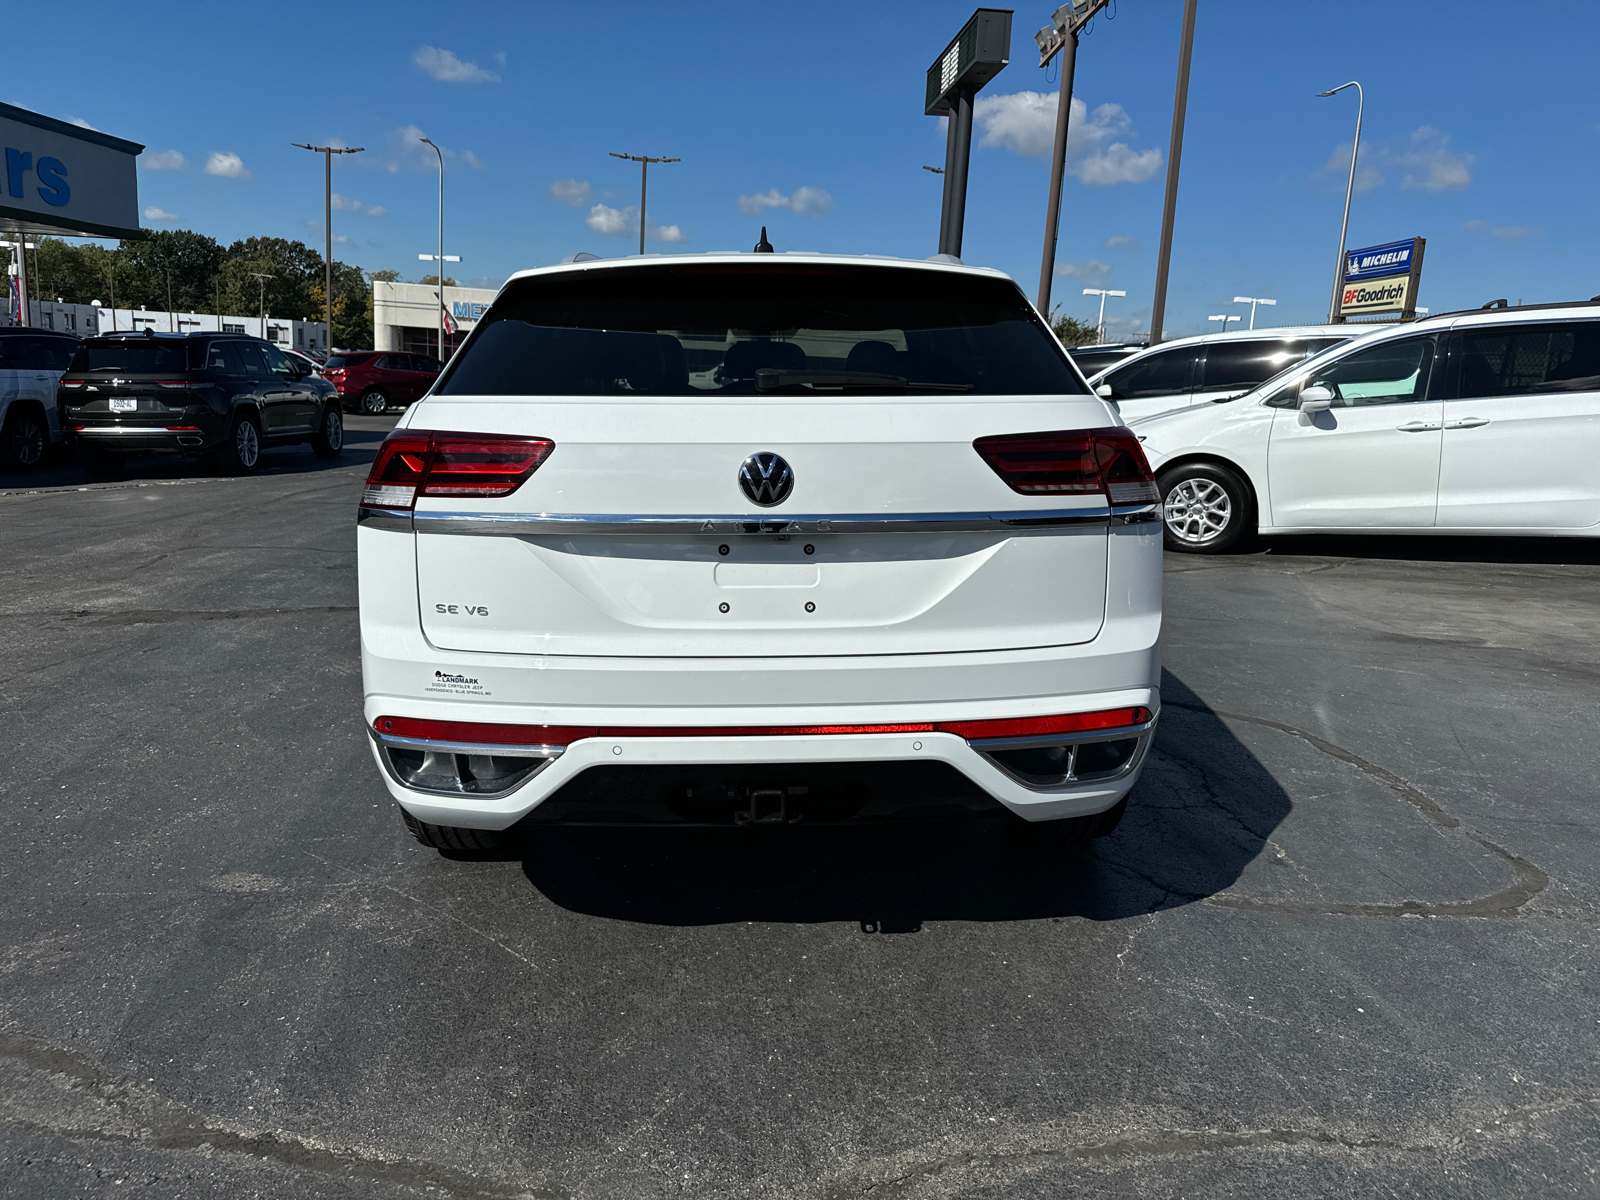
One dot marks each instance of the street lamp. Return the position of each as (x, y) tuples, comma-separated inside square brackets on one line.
[(1252, 301), (441, 260), (172, 321), (644, 161), (1225, 318), (327, 153), (1349, 187), (262, 280), (1100, 326)]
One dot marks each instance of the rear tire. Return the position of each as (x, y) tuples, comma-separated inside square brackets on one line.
[(1071, 833), (24, 439), (452, 837), (374, 402), (329, 438), (240, 452), (1205, 509)]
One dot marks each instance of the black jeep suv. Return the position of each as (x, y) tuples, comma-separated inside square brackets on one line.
[(221, 395)]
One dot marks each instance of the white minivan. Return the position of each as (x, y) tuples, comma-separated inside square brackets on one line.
[(1484, 422), (1188, 372), (759, 539)]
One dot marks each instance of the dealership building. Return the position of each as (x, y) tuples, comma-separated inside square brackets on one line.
[(405, 316)]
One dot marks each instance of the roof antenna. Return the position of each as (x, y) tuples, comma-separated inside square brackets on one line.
[(763, 246)]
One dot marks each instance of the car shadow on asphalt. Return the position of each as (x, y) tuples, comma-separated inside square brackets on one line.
[(1434, 548), (61, 471), (1201, 812)]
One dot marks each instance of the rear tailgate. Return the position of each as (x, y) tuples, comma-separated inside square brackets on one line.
[(634, 538)]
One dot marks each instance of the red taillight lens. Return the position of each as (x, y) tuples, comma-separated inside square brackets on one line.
[(431, 463), (72, 383), (1108, 462), (485, 734), (172, 383)]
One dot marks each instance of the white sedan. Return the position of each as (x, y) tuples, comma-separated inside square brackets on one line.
[(1485, 422)]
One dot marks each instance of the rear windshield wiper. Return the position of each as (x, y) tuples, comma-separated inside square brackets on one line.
[(769, 379)]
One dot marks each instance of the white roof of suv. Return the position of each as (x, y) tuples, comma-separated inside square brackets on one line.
[(1262, 333)]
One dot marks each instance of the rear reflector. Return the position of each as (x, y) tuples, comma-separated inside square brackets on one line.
[(432, 463), (484, 734), (1106, 462)]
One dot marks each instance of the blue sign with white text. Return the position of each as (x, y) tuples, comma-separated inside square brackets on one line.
[(1374, 262)]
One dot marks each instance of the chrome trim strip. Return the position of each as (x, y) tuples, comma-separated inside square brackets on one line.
[(385, 742), (1135, 514), (1073, 781), (622, 524), (1121, 733), (405, 743), (398, 519), (98, 430)]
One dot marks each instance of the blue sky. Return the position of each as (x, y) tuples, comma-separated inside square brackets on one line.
[(1482, 134)]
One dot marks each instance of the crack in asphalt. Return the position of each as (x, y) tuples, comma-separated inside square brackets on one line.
[(1527, 880), (158, 1123), (164, 616), (1175, 1142)]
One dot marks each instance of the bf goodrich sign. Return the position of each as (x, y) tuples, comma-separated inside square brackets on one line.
[(57, 177)]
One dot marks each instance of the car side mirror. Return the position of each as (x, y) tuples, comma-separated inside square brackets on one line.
[(1103, 391), (1316, 399)]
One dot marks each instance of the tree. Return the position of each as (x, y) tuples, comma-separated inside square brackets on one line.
[(60, 270), (434, 279), (1070, 331), (193, 258)]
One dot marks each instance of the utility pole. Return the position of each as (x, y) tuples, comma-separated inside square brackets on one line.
[(111, 274), (1060, 37), (644, 161), (327, 153), (440, 153), (1169, 208), (974, 56), (18, 260), (1349, 187), (172, 320), (262, 279)]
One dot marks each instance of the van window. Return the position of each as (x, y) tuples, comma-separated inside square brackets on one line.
[(1389, 373), (1164, 373), (697, 329), (1504, 360), (1239, 366)]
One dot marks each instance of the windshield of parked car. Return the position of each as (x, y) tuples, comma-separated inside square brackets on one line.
[(134, 357), (692, 329)]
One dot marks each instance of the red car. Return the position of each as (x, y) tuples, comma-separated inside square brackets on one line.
[(374, 380)]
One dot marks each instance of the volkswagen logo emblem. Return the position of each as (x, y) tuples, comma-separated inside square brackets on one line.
[(766, 479)]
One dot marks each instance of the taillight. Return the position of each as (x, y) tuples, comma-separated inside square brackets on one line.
[(431, 463), (72, 383), (1108, 462), (172, 383)]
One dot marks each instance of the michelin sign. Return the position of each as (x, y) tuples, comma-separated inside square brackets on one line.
[(1382, 279)]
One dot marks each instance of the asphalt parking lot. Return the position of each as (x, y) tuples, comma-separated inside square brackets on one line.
[(1343, 944)]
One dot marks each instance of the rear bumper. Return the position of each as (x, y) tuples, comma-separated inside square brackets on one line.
[(143, 439), (737, 756)]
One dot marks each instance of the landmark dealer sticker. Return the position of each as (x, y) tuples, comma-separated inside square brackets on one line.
[(449, 684)]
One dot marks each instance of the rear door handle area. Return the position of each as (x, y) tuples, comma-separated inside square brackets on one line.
[(1418, 426), (1468, 423)]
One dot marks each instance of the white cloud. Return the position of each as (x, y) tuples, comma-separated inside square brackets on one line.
[(1336, 170), (624, 222), (1506, 233), (408, 151), (1093, 269), (806, 201), (152, 213), (1025, 124), (163, 160), (604, 219), (81, 123), (345, 204), (810, 201), (1119, 241), (447, 68), (229, 165), (472, 160), (1428, 162), (571, 191)]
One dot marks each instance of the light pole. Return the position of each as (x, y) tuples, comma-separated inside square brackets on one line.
[(1252, 301), (172, 321), (1169, 206), (1100, 325), (644, 161), (1349, 187), (262, 280), (327, 153), (441, 258), (1225, 318), (1060, 36)]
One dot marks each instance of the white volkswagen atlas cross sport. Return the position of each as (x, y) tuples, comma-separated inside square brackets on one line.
[(756, 539)]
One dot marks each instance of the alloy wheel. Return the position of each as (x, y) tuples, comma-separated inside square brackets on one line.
[(1198, 510), (27, 442), (375, 403), (333, 429), (247, 444)]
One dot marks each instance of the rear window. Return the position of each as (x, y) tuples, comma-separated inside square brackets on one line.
[(338, 362), (691, 329), (133, 356)]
